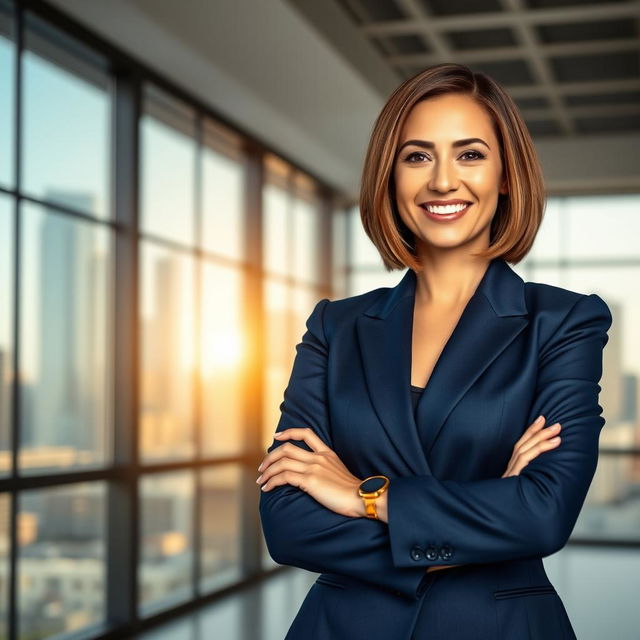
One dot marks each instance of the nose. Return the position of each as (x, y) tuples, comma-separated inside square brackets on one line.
[(443, 177)]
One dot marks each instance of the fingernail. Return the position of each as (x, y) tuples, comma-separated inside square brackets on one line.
[(258, 478), (556, 439), (260, 467), (278, 435), (539, 418)]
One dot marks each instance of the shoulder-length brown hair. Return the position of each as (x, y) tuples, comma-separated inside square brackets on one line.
[(518, 213)]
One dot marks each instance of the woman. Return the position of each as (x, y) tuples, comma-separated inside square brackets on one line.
[(433, 522)]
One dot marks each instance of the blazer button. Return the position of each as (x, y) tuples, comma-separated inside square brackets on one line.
[(432, 552), (416, 553), (446, 552)]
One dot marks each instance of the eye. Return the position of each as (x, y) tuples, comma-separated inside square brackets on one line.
[(411, 155), (479, 156), (476, 155)]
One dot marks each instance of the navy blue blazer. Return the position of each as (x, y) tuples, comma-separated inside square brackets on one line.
[(520, 349)]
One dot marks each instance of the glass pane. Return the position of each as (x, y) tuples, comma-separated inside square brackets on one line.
[(552, 274), (168, 160), (221, 526), (362, 251), (611, 511), (276, 203), (522, 269), (603, 226), (67, 113), (223, 359), (7, 240), (292, 227), (266, 561), (7, 95), (303, 301), (364, 281), (307, 239), (548, 243), (165, 573), (65, 342), (287, 309), (339, 255), (168, 360), (279, 353), (61, 559), (223, 197), (5, 506)]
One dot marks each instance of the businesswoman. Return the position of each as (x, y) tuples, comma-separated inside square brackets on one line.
[(429, 519)]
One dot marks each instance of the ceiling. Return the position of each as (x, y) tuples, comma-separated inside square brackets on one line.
[(572, 66), (308, 77)]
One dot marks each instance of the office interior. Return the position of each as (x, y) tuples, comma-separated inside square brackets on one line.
[(178, 188)]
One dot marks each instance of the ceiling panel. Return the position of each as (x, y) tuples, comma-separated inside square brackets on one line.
[(572, 66)]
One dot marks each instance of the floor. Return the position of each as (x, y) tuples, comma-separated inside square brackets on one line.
[(263, 612)]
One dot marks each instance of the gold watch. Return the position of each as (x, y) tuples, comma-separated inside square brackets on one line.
[(370, 489)]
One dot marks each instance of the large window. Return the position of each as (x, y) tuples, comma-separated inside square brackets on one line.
[(156, 268), (192, 349), (587, 244)]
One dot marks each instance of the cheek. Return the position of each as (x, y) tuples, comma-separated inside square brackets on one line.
[(407, 183), (486, 183)]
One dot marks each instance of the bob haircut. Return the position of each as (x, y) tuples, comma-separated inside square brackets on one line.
[(518, 213)]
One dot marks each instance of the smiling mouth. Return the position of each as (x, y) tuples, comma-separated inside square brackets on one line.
[(445, 209), (448, 213)]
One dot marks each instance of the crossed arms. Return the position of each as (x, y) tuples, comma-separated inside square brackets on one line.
[(491, 520)]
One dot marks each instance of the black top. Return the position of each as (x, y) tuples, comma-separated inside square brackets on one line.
[(415, 395)]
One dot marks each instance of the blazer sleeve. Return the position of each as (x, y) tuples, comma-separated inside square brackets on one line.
[(531, 514), (298, 530)]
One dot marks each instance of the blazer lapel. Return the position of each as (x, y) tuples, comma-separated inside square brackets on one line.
[(493, 317)]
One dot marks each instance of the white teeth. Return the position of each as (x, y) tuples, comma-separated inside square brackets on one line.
[(450, 208)]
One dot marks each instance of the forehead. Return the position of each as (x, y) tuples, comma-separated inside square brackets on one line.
[(447, 117)]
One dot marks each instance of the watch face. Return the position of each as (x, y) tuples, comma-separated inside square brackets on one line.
[(372, 484)]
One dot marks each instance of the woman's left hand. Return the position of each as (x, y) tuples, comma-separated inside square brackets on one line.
[(318, 472)]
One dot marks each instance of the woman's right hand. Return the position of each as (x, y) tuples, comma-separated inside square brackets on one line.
[(534, 441)]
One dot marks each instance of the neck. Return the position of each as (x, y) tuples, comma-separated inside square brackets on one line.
[(448, 279)]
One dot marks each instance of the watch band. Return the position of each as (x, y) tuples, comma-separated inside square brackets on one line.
[(370, 510)]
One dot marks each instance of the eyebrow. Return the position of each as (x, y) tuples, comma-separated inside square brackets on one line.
[(427, 144)]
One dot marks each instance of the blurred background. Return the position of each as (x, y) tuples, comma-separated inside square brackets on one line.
[(178, 188)]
